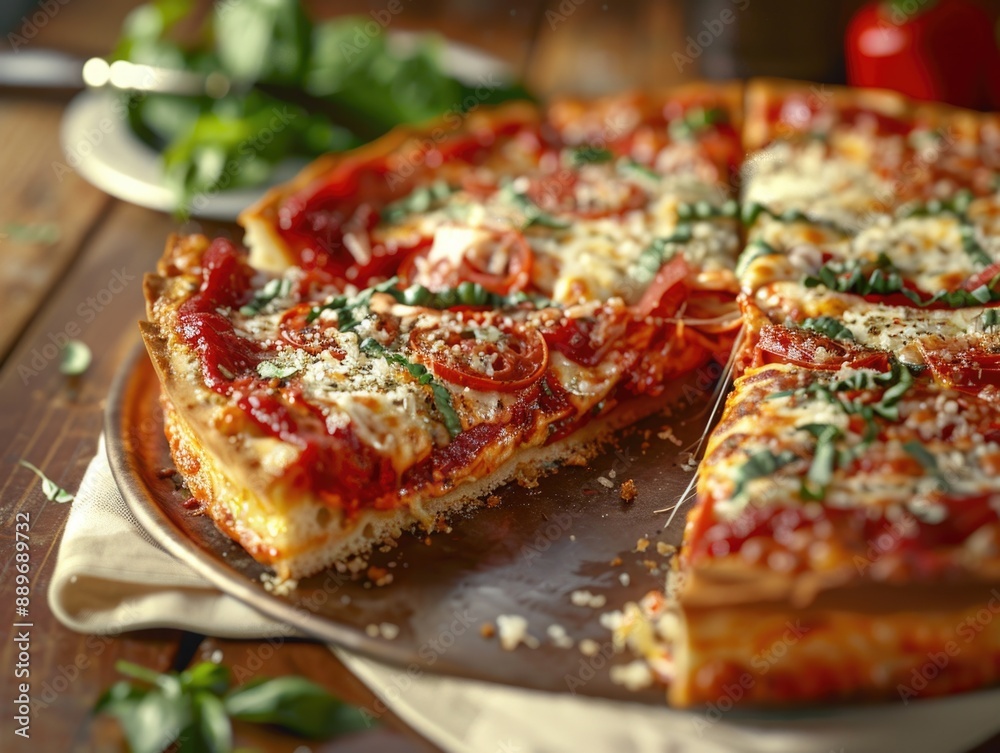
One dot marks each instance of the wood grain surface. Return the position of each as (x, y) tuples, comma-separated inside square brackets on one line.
[(71, 261)]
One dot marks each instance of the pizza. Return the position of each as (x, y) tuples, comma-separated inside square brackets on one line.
[(479, 300), (416, 324)]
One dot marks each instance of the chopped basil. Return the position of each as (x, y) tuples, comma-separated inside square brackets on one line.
[(588, 155), (466, 294), (419, 200), (862, 278), (694, 121), (442, 398), (824, 461), (754, 250), (533, 214), (658, 253), (826, 458), (957, 205), (50, 489), (760, 465), (928, 462), (752, 211), (346, 307), (990, 318), (703, 210), (74, 358), (270, 370), (637, 169), (279, 287), (827, 325)]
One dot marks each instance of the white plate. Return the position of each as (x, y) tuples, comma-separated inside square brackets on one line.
[(98, 143)]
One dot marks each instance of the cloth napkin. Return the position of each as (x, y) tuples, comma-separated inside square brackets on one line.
[(111, 577)]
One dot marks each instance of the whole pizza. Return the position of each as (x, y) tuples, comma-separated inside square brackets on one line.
[(483, 299)]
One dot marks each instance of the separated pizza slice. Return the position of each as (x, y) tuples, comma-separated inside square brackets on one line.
[(314, 420), (846, 533)]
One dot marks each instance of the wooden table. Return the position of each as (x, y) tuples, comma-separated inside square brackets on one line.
[(62, 242)]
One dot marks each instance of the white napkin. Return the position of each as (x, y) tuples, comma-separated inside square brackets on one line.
[(110, 577)]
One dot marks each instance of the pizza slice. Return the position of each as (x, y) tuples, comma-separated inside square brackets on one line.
[(847, 531)]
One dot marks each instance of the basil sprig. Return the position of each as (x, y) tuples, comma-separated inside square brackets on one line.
[(442, 398), (194, 709), (52, 491)]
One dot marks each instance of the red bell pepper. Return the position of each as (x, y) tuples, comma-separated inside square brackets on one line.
[(943, 50)]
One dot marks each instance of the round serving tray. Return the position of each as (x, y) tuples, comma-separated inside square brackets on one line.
[(525, 556)]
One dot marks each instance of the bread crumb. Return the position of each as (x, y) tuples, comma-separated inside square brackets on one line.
[(605, 482), (616, 562), (577, 459), (589, 647), (492, 501), (583, 598), (642, 545), (650, 565), (379, 576), (635, 675), (513, 630), (559, 636), (664, 548), (628, 490), (487, 630)]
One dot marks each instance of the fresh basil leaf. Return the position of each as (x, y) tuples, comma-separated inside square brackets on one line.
[(119, 698), (207, 676), (50, 489), (294, 703), (533, 214), (263, 40), (156, 720), (75, 358), (212, 723), (827, 325)]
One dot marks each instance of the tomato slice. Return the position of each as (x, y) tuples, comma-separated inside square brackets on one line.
[(505, 356), (778, 344), (667, 291), (311, 336), (968, 369), (500, 261)]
